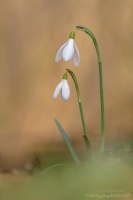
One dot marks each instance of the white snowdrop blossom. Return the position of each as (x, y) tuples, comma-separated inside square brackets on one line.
[(69, 51), (64, 88)]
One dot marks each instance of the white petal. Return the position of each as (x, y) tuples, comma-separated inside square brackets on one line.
[(68, 51), (60, 53), (65, 90), (57, 89), (76, 57)]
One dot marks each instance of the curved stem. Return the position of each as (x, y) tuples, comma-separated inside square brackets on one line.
[(86, 30), (86, 138)]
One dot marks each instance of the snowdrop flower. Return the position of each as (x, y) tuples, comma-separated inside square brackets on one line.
[(69, 51), (64, 88)]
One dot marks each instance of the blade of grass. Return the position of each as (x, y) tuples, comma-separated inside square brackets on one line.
[(74, 155), (129, 145), (54, 166), (90, 153)]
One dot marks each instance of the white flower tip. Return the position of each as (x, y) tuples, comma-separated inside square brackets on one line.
[(57, 58), (76, 65), (54, 97), (66, 99)]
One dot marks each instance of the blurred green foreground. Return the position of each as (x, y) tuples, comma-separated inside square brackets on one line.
[(85, 182)]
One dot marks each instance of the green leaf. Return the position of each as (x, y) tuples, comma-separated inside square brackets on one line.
[(75, 157), (54, 166), (90, 153), (129, 145)]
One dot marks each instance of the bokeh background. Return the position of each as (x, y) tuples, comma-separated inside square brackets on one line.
[(31, 32)]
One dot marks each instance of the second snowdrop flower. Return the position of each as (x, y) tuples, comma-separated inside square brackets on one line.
[(64, 88), (69, 51)]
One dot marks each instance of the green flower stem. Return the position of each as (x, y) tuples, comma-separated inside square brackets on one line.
[(86, 30), (86, 138)]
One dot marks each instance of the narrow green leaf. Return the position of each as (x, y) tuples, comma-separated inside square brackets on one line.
[(129, 145), (54, 166), (75, 157), (88, 146)]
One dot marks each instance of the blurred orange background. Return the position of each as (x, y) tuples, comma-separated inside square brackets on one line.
[(31, 32)]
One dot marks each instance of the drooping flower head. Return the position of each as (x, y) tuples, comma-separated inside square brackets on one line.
[(63, 87), (69, 51)]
